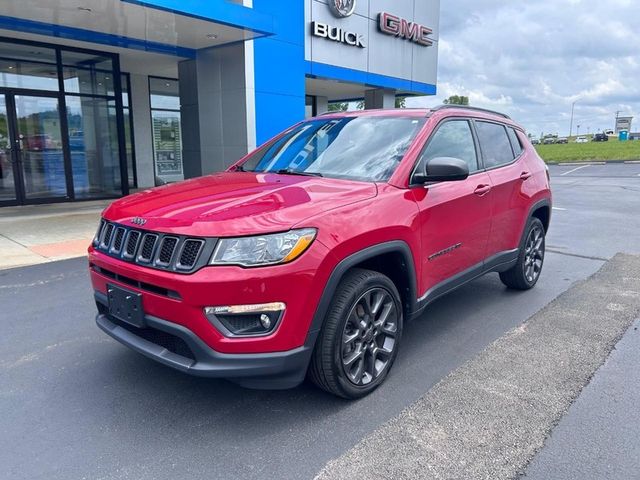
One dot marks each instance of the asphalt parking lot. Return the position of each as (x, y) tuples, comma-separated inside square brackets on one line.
[(78, 405)]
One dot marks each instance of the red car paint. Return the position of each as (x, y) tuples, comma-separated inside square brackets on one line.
[(470, 220)]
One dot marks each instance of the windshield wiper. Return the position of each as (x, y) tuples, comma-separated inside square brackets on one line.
[(288, 171)]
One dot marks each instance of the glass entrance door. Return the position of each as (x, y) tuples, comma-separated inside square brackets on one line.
[(7, 162), (39, 147), (32, 157)]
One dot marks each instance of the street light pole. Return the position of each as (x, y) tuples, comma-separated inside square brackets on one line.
[(573, 106)]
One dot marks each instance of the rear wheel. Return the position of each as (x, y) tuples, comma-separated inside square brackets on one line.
[(526, 272), (359, 340)]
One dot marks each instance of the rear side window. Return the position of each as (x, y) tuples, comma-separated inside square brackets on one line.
[(453, 139), (495, 144), (515, 142)]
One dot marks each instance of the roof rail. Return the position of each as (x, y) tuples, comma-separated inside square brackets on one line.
[(467, 107)]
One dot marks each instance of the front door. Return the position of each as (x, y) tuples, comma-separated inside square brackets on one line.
[(455, 216), (32, 159)]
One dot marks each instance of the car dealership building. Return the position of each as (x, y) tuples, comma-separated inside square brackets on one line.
[(98, 97)]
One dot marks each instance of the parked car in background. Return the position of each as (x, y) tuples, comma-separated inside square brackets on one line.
[(549, 140), (601, 137), (309, 255), (562, 140), (535, 141), (582, 140)]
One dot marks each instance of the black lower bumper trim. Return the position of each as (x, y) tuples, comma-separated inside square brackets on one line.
[(277, 370)]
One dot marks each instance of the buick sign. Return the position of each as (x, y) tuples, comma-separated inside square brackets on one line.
[(342, 8), (337, 34)]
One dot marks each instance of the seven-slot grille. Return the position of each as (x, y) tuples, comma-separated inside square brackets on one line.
[(151, 249)]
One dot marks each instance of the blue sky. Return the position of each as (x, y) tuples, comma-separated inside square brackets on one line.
[(533, 59)]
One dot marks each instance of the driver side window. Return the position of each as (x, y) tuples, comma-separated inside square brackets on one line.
[(452, 139)]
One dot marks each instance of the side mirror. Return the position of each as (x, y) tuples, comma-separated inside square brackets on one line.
[(443, 169)]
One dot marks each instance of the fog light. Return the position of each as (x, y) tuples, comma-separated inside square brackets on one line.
[(265, 321), (246, 320)]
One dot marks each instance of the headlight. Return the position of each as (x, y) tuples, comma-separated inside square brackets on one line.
[(263, 249)]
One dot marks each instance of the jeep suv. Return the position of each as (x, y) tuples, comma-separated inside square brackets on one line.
[(309, 255)]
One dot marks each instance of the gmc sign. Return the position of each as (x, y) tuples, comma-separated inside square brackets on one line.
[(399, 27)]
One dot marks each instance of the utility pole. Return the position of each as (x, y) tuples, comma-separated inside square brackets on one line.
[(615, 127), (573, 106)]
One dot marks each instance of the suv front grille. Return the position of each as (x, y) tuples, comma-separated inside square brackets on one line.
[(166, 250), (132, 244), (190, 251), (174, 253), (148, 246), (118, 240)]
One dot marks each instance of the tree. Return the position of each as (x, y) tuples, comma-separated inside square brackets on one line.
[(456, 100), (338, 107)]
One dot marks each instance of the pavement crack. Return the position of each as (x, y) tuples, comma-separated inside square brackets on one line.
[(577, 255)]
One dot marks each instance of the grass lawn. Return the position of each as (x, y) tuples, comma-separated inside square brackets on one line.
[(592, 151)]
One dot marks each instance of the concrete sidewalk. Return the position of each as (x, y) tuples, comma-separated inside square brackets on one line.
[(44, 233), (490, 417)]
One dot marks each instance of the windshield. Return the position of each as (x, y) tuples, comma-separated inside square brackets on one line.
[(357, 148)]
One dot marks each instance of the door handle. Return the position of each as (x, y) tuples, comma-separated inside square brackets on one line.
[(482, 190), (525, 176)]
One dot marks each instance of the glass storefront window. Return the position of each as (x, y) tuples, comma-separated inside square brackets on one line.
[(87, 82), (93, 142), (24, 52), (92, 61), (31, 75), (167, 134), (167, 143), (46, 157)]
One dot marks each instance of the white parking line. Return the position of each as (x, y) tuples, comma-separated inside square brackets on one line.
[(560, 209), (574, 170)]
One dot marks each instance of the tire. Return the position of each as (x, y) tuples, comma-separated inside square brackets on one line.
[(526, 272), (373, 345)]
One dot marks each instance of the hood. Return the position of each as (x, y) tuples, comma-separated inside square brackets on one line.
[(237, 203)]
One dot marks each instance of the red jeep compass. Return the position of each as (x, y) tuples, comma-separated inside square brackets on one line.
[(310, 254)]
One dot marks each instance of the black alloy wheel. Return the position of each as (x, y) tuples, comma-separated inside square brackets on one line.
[(360, 337)]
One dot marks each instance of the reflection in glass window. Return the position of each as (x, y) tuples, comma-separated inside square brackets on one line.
[(515, 141), (87, 81), (167, 134), (27, 52), (35, 76), (165, 94), (359, 148), (93, 142), (453, 139), (496, 147), (167, 143)]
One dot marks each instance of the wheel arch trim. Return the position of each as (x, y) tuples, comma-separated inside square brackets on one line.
[(395, 246)]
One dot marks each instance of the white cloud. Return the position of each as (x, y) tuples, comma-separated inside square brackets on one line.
[(534, 59)]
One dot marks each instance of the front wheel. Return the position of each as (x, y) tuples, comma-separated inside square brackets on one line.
[(526, 272), (359, 340)]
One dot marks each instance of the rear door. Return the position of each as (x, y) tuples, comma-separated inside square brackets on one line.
[(455, 216), (503, 158)]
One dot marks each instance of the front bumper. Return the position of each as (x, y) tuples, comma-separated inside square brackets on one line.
[(177, 347), (181, 299)]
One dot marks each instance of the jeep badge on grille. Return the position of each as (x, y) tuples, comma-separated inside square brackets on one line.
[(138, 221)]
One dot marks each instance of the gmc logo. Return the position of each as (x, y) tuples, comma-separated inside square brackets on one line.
[(399, 27)]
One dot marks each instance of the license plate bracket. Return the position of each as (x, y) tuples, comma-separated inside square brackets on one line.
[(126, 305)]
